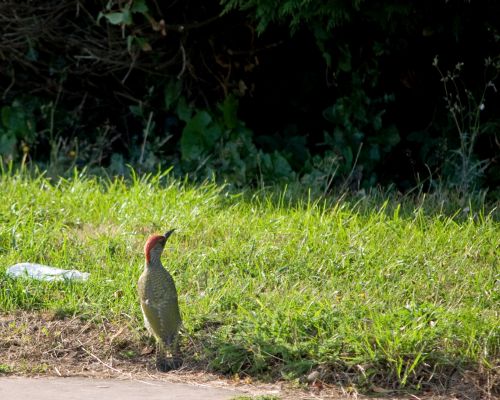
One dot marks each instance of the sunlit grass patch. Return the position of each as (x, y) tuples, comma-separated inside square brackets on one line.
[(274, 285)]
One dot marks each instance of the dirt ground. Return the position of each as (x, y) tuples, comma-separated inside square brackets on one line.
[(50, 345)]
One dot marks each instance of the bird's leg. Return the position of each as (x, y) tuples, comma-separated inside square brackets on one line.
[(168, 361), (162, 363), (176, 353)]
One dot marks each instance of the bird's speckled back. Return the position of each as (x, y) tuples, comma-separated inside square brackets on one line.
[(158, 297)]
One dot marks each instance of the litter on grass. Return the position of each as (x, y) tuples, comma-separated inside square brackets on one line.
[(45, 273)]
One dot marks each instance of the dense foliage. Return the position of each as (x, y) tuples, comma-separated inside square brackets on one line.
[(352, 93)]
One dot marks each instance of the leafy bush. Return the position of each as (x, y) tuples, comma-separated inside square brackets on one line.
[(337, 93), (359, 135), (17, 129)]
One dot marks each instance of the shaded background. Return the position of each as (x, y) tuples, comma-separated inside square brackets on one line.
[(336, 94)]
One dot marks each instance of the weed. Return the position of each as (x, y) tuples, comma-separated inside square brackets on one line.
[(465, 109)]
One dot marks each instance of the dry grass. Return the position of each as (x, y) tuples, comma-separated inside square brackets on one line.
[(46, 343), (37, 344)]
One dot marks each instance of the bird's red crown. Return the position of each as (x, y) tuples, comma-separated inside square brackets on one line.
[(150, 243)]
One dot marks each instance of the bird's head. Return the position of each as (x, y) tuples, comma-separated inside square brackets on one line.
[(154, 246)]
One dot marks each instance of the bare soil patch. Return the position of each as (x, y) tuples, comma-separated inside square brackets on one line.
[(45, 343)]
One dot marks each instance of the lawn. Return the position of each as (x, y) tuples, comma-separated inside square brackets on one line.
[(384, 290)]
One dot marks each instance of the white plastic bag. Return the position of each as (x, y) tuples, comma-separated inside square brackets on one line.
[(45, 273)]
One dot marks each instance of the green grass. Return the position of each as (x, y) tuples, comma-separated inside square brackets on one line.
[(390, 289), (4, 369)]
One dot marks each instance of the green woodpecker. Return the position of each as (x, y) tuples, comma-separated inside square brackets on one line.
[(158, 297)]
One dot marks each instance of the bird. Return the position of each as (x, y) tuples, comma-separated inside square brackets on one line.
[(159, 303)]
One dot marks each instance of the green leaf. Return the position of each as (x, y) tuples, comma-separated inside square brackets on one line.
[(229, 111), (281, 167), (139, 6), (348, 156), (142, 43), (265, 161), (7, 144), (328, 58), (32, 54), (391, 136), (345, 59), (199, 136), (183, 110), (374, 152), (136, 110), (127, 16), (114, 18), (173, 90), (211, 135), (6, 112), (119, 18)]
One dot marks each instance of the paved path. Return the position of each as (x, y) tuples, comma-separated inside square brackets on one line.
[(20, 388)]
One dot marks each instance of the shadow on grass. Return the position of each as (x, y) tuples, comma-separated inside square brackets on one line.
[(271, 362), (438, 203), (50, 343)]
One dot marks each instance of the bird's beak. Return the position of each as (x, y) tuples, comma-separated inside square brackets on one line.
[(167, 235)]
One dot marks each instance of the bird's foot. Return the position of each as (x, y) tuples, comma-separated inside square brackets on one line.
[(168, 364)]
